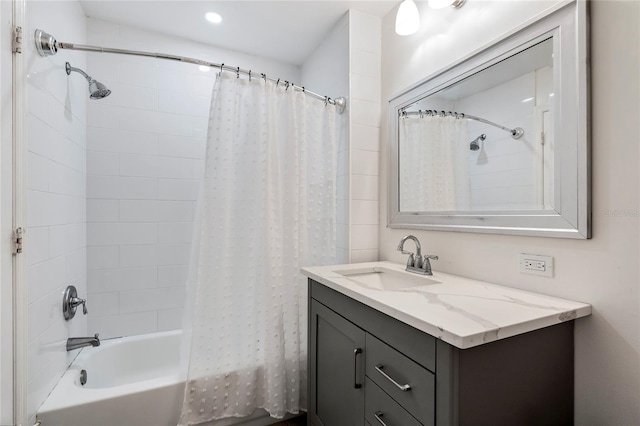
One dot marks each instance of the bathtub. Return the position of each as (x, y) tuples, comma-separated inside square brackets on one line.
[(131, 381)]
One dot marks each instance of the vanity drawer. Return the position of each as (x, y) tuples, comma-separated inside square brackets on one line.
[(380, 409), (385, 365)]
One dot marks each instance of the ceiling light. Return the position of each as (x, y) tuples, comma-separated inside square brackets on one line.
[(440, 4), (407, 18), (213, 17)]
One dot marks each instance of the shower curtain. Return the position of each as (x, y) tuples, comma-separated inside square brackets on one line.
[(434, 164), (268, 208)]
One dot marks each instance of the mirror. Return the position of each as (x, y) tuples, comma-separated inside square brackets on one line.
[(499, 141)]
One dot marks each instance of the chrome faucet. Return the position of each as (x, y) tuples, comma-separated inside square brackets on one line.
[(80, 342), (416, 263)]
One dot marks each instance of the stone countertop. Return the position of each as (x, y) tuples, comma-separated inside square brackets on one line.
[(460, 311)]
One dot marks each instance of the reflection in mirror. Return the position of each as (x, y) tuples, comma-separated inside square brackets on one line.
[(484, 143)]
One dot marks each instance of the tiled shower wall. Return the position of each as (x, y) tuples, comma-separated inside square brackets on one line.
[(55, 241), (365, 76), (145, 145)]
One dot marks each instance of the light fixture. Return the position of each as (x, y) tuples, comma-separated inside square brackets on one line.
[(213, 17), (441, 4), (407, 18)]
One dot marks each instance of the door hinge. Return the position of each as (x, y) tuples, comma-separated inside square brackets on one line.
[(16, 45), (17, 240)]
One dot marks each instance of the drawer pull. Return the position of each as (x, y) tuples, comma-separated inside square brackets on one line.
[(356, 351), (403, 388), (378, 416)]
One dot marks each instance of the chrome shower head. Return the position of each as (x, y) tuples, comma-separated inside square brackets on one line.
[(97, 90), (474, 145)]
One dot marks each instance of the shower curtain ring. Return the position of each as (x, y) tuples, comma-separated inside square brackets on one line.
[(326, 100), (221, 65), (249, 75), (302, 89), (238, 73), (264, 77)]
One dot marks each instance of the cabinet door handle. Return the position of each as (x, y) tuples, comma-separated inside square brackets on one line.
[(378, 415), (403, 388), (356, 351)]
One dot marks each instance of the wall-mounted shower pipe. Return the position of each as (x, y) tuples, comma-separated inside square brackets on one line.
[(47, 45), (97, 90), (516, 132)]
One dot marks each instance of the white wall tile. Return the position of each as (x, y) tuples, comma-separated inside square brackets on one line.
[(365, 162), (170, 319), (100, 210), (364, 187), (103, 257), (176, 232), (177, 189), (180, 146), (132, 188), (151, 299), (110, 280), (138, 256), (107, 234), (175, 211), (102, 163), (172, 276), (173, 254), (364, 237), (104, 304), (123, 324), (139, 210)]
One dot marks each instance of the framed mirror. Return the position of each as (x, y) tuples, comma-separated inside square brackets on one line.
[(499, 141)]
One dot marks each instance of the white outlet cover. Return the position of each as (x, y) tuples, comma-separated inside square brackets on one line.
[(548, 260)]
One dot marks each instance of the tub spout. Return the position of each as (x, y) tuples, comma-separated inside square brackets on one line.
[(80, 342)]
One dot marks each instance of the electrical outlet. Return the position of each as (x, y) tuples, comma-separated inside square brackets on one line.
[(536, 264)]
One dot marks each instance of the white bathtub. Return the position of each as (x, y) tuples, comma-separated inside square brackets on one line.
[(131, 381)]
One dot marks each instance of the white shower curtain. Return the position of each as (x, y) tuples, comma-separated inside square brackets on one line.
[(434, 164), (268, 208)]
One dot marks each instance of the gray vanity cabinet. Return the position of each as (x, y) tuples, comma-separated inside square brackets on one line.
[(367, 368), (336, 352)]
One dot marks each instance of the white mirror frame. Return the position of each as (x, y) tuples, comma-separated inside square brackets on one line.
[(568, 24)]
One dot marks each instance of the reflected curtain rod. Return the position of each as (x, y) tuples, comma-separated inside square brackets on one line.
[(516, 133), (47, 45)]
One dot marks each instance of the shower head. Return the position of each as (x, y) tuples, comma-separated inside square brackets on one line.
[(474, 145), (97, 90)]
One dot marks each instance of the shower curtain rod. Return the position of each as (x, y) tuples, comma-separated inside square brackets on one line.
[(47, 45), (516, 133)]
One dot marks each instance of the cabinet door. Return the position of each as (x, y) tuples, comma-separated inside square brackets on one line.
[(336, 369)]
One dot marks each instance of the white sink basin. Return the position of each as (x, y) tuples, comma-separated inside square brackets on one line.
[(382, 278)]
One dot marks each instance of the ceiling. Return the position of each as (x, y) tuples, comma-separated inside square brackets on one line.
[(287, 31)]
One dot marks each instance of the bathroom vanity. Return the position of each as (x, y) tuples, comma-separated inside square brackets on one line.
[(388, 347)]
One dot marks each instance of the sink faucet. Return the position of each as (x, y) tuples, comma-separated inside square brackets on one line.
[(416, 263), (80, 342)]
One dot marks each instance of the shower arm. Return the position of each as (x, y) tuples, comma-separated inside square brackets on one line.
[(516, 132), (47, 45), (69, 68)]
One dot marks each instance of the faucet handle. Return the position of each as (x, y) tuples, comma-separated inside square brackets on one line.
[(96, 336), (430, 256)]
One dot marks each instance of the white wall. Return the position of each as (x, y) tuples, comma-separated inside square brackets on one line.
[(6, 218), (603, 271), (364, 99), (56, 253), (326, 71), (145, 155)]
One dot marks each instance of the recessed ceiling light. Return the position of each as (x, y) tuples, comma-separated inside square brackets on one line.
[(213, 17)]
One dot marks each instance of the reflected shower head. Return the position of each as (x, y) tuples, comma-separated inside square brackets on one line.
[(97, 90), (474, 145)]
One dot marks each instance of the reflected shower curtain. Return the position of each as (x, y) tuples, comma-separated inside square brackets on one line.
[(434, 164), (268, 208)]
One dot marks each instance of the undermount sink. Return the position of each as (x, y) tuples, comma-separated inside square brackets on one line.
[(381, 278)]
